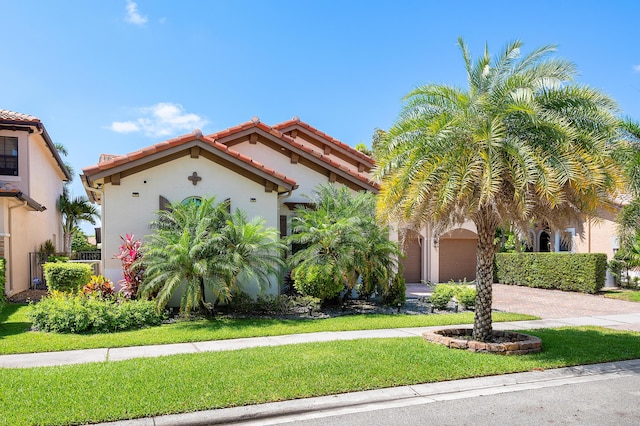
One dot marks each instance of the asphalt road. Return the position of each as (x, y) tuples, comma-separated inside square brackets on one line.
[(610, 400)]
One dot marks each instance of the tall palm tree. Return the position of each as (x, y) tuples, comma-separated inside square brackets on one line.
[(73, 212), (198, 246), (520, 143)]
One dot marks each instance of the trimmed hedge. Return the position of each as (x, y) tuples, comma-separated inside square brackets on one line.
[(582, 272), (67, 277)]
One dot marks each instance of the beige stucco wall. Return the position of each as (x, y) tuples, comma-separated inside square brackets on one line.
[(123, 213), (24, 230), (599, 236)]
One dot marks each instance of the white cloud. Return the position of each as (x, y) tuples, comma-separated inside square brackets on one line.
[(160, 120), (124, 127), (133, 16), (636, 68)]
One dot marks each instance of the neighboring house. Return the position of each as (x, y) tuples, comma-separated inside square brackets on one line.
[(263, 170), (32, 177), (452, 256)]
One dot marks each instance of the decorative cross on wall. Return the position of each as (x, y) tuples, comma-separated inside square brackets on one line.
[(194, 178)]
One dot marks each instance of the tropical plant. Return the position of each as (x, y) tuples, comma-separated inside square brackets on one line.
[(74, 211), (132, 269), (99, 287), (520, 143), (198, 246), (628, 153), (342, 242), (79, 241)]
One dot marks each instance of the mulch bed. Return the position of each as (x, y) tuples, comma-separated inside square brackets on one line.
[(27, 296)]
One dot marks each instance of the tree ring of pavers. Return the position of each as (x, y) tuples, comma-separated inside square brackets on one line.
[(505, 342)]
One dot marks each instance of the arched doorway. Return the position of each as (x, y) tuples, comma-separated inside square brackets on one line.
[(457, 255)]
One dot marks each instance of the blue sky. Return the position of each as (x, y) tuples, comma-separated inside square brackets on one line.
[(115, 76)]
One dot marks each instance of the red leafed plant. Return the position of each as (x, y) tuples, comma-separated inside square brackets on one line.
[(132, 271)]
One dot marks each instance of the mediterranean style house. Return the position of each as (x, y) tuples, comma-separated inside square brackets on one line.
[(263, 170), (266, 171), (32, 177)]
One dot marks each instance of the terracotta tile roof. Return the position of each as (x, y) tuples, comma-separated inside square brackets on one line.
[(5, 114), (296, 121), (255, 123), (108, 162)]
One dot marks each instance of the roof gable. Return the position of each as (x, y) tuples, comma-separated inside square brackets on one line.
[(195, 145), (256, 130), (295, 125)]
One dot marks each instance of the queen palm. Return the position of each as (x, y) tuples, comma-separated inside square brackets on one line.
[(520, 143)]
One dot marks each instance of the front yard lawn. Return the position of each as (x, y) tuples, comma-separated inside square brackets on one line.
[(183, 383), (15, 336), (628, 295)]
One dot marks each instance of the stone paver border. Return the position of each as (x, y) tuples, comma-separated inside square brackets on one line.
[(516, 344)]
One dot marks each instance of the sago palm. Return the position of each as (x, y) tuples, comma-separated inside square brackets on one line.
[(520, 143)]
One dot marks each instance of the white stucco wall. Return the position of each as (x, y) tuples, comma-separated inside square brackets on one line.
[(306, 178), (124, 213)]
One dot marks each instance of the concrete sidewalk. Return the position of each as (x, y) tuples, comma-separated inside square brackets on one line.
[(46, 359)]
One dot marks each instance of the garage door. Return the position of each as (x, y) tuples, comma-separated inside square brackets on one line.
[(412, 263), (457, 259)]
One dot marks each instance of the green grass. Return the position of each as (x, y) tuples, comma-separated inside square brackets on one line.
[(15, 336), (628, 295), (182, 383)]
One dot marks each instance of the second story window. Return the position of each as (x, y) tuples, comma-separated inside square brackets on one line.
[(8, 156)]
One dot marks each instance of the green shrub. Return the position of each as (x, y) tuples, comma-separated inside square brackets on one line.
[(58, 259), (317, 281), (441, 296), (465, 295), (396, 292), (583, 272), (68, 277), (67, 313)]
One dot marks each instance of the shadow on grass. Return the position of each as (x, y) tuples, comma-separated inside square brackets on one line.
[(12, 328), (586, 345)]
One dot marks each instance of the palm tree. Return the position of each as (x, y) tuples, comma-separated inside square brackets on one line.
[(256, 251), (520, 143), (73, 212), (198, 246), (342, 243), (628, 153)]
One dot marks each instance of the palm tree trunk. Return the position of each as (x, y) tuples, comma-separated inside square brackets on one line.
[(67, 243), (486, 227)]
